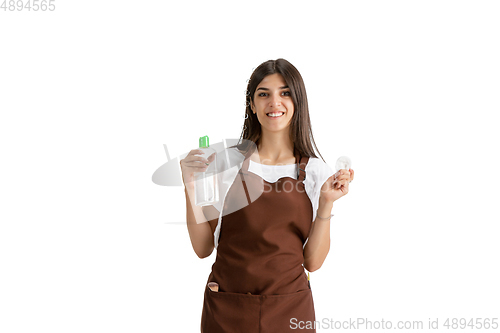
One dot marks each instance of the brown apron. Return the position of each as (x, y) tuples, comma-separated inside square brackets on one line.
[(262, 284)]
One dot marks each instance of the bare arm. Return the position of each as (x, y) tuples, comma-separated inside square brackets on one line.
[(318, 244), (200, 232)]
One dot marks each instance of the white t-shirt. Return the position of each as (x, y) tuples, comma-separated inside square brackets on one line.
[(317, 172)]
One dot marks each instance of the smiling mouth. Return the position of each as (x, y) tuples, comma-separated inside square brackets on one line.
[(275, 114)]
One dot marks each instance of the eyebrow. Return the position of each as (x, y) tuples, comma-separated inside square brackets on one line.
[(262, 88)]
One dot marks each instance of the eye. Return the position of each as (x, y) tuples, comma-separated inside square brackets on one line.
[(286, 93)]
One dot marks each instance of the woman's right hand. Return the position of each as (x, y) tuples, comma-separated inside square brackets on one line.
[(191, 164)]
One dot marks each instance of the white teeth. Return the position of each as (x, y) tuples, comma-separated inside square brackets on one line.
[(277, 114)]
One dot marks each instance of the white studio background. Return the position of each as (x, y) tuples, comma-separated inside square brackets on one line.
[(90, 92)]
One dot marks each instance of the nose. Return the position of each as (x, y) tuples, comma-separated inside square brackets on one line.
[(276, 100)]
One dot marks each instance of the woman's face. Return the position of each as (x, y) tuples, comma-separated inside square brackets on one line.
[(273, 96)]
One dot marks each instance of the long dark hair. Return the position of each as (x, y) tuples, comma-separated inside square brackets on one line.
[(300, 128)]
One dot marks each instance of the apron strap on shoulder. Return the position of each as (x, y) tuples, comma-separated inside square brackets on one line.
[(301, 166)]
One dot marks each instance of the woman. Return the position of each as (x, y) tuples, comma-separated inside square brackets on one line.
[(273, 216)]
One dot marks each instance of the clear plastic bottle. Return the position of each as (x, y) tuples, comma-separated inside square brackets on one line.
[(206, 187)]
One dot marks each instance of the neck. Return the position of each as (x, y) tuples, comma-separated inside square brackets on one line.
[(275, 146)]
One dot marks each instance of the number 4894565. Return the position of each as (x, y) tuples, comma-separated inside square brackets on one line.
[(29, 5)]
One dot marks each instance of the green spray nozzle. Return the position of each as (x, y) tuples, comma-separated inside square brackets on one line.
[(204, 142)]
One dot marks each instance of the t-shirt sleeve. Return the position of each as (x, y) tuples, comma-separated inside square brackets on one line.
[(319, 172), (323, 172)]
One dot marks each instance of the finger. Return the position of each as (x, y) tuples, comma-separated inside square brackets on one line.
[(199, 169), (211, 157), (196, 164), (342, 173), (342, 178), (197, 158), (341, 187), (345, 190), (195, 152), (338, 175)]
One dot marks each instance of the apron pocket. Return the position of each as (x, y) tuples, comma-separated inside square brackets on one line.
[(246, 313), (288, 312), (230, 312)]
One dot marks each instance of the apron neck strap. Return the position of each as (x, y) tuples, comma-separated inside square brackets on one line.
[(246, 161), (301, 165)]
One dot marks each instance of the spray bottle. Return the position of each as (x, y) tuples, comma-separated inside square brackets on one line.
[(206, 187)]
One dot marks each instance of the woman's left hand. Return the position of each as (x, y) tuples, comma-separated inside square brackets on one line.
[(336, 186)]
